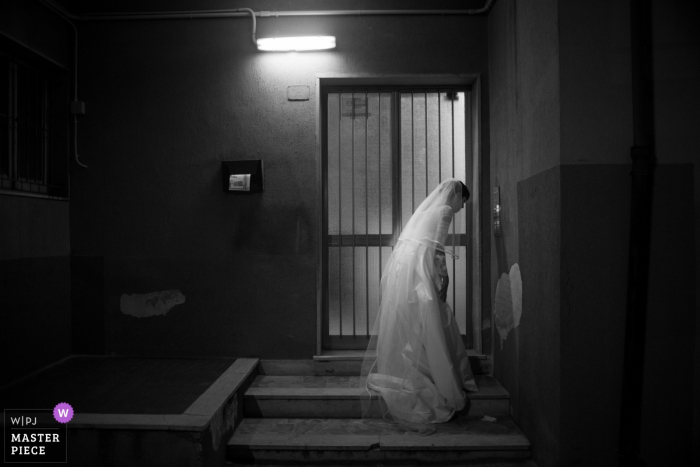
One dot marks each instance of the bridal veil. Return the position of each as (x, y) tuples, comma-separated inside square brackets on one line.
[(421, 370)]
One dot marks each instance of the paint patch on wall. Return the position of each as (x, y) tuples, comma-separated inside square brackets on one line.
[(151, 304), (509, 302)]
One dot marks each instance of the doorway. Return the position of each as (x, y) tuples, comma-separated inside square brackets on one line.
[(384, 149)]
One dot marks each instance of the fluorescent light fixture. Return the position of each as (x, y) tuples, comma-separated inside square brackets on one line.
[(296, 44)]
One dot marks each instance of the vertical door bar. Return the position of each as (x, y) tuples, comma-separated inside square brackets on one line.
[(396, 158), (413, 159), (425, 112), (439, 132), (366, 217), (352, 152), (454, 231), (379, 160), (340, 216)]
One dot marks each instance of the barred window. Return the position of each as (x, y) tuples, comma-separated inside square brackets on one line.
[(33, 127)]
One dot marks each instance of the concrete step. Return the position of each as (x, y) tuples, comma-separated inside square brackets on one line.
[(341, 397), (355, 441), (345, 363)]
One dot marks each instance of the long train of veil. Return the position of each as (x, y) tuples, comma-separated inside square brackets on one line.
[(421, 370)]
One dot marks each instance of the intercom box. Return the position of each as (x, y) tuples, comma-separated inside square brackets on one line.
[(243, 176)]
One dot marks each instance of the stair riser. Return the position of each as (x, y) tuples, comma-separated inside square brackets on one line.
[(346, 408), (444, 458), (339, 367)]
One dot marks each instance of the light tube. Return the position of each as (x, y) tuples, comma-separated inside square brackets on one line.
[(296, 44)]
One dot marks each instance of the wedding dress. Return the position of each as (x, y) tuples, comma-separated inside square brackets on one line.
[(421, 369)]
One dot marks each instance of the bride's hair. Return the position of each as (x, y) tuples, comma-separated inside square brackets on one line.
[(465, 190)]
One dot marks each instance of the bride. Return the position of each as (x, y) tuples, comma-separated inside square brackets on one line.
[(421, 370)]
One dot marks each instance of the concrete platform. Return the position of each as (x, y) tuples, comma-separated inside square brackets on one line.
[(341, 397), (190, 435), (332, 441)]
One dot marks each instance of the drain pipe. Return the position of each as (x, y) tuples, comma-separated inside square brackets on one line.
[(643, 162), (75, 105)]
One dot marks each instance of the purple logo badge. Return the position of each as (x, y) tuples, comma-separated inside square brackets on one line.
[(63, 412)]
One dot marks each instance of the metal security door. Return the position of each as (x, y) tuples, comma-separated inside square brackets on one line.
[(385, 150)]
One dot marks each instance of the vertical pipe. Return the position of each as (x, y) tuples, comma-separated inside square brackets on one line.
[(44, 146), (50, 160), (33, 119), (49, 125), (7, 130), (10, 120), (25, 104), (31, 136), (643, 161), (37, 125), (15, 130), (29, 116)]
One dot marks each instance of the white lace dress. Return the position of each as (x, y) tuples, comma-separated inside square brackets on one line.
[(422, 371)]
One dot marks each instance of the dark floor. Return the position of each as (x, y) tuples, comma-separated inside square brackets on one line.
[(118, 385)]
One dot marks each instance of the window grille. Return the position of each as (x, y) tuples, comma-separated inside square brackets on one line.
[(385, 150), (33, 130)]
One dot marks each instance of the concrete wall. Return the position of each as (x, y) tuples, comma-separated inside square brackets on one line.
[(597, 129), (676, 94), (565, 358), (167, 101), (34, 233), (525, 145)]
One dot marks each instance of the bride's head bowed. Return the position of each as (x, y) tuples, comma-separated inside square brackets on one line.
[(451, 193)]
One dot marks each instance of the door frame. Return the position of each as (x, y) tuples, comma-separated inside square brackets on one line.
[(472, 80)]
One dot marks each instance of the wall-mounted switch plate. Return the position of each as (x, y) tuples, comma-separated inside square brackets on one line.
[(496, 211)]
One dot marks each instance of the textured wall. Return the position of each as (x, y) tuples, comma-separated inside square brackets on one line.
[(34, 283), (524, 109), (167, 101), (34, 233), (534, 357), (676, 94), (36, 27), (583, 319), (595, 202)]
